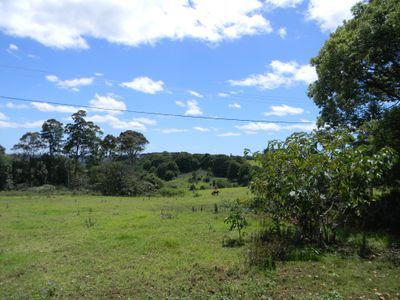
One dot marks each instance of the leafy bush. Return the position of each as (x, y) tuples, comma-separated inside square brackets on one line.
[(318, 181)]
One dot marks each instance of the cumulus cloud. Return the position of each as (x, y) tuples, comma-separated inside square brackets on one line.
[(46, 107), (117, 123), (223, 95), (13, 47), (3, 116), (144, 85), (66, 24), (180, 103), (284, 110), (33, 124), (229, 134), (72, 84), (235, 106), (281, 74), (108, 102), (259, 126), (193, 108), (330, 14), (283, 3), (201, 129), (282, 32), (146, 121), (16, 106), (196, 94), (253, 127), (173, 130)]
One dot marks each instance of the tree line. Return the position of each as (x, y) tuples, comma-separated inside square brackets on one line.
[(78, 156)]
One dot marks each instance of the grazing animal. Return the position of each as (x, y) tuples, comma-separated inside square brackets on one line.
[(215, 193)]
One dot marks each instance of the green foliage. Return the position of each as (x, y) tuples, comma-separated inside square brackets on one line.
[(318, 181), (29, 144), (117, 178), (82, 140), (52, 135), (237, 219), (131, 143), (359, 66)]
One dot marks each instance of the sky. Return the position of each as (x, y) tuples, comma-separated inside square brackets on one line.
[(240, 59)]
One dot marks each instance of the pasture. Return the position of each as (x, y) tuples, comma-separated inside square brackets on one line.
[(94, 247)]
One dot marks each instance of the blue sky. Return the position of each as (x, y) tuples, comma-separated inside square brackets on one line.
[(245, 59)]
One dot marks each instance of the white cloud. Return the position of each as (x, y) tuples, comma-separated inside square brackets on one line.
[(173, 130), (72, 84), (330, 14), (281, 74), (235, 105), (13, 47), (303, 127), (107, 102), (196, 94), (16, 106), (193, 108), (253, 127), (283, 3), (144, 85), (34, 124), (223, 95), (67, 24), (116, 123), (146, 121), (229, 134), (98, 74), (3, 116), (284, 110), (201, 129), (282, 32), (180, 103), (259, 126), (33, 56), (46, 107)]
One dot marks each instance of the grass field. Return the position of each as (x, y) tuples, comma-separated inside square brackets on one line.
[(91, 247)]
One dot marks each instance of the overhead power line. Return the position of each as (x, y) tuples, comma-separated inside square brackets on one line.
[(152, 112), (248, 97)]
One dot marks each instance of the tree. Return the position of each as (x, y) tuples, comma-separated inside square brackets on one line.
[(30, 144), (237, 219), (359, 66), (131, 143), (109, 145), (82, 137), (319, 181), (52, 134), (5, 169)]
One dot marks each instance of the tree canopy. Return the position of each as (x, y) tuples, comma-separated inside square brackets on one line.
[(359, 66)]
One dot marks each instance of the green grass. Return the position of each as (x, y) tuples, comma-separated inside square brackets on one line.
[(152, 248)]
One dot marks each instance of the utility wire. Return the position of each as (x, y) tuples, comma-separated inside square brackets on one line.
[(153, 113), (238, 96)]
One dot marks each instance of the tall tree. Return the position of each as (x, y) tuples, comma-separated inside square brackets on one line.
[(109, 145), (82, 137), (359, 66), (52, 134), (29, 144), (131, 143)]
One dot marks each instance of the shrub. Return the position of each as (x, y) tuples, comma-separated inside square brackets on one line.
[(170, 192)]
